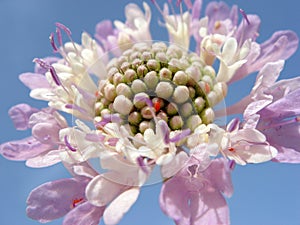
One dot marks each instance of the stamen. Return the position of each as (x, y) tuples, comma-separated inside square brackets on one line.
[(112, 141), (75, 107), (51, 37), (59, 37), (281, 123), (245, 16), (183, 134), (109, 118), (178, 3), (69, 34), (233, 125), (45, 65), (54, 76), (231, 164), (69, 146), (165, 131), (64, 28)]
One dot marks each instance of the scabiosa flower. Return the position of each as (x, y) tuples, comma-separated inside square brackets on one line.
[(137, 105)]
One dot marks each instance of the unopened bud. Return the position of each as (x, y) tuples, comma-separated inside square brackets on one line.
[(117, 78), (176, 123), (125, 66), (194, 72), (209, 70), (105, 112), (151, 79), (165, 74), (110, 92), (138, 86), (129, 75), (139, 100), (122, 105), (193, 122), (123, 89), (181, 94), (153, 65), (142, 70), (199, 104), (180, 78), (172, 109), (164, 90), (163, 116), (186, 109), (144, 125), (207, 116), (98, 108), (146, 56), (147, 112), (161, 57), (134, 118)]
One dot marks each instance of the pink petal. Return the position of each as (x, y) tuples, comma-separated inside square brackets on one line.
[(280, 46), (116, 210), (219, 174), (34, 80), (23, 149), (84, 214), (174, 199), (20, 115), (287, 155), (211, 208), (248, 31), (54, 199)]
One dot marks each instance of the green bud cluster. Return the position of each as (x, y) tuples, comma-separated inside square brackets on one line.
[(180, 86)]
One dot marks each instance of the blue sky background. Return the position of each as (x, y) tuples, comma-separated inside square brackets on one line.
[(266, 194)]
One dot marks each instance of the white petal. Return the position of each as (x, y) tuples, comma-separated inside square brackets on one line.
[(101, 191), (116, 210), (250, 135), (258, 153), (171, 168), (44, 160), (229, 49)]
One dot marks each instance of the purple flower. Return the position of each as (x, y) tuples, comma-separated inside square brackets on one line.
[(274, 109), (65, 197), (40, 149), (196, 197)]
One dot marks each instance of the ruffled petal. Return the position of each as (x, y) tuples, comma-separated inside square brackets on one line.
[(23, 149), (248, 31), (20, 115), (53, 200), (34, 80), (280, 46), (174, 201), (286, 155)]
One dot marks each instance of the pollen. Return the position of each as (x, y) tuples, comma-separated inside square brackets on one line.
[(217, 25), (231, 149), (76, 202)]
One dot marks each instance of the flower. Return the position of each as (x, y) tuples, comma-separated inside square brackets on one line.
[(138, 105)]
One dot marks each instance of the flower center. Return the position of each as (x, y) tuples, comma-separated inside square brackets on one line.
[(156, 80)]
